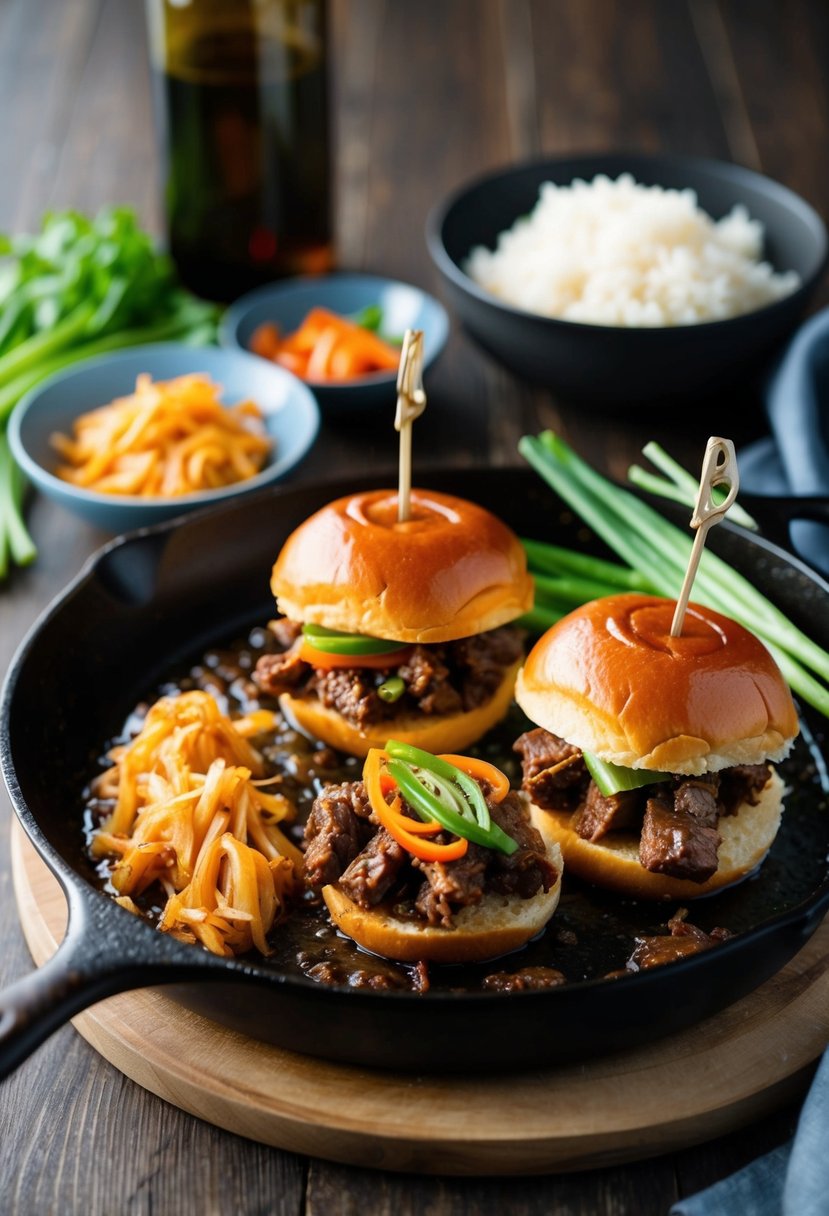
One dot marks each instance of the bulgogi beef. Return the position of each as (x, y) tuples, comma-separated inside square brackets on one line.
[(528, 979), (346, 845), (338, 828), (676, 820), (439, 679), (674, 842), (684, 939)]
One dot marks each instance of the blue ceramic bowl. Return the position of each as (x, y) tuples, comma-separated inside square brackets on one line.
[(287, 303), (290, 412), (613, 367)]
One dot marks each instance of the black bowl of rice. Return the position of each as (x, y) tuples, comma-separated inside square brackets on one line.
[(629, 279)]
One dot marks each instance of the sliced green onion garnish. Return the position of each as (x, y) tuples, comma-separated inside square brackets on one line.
[(447, 791), (334, 642), (425, 804), (433, 764), (369, 317), (391, 690), (614, 778)]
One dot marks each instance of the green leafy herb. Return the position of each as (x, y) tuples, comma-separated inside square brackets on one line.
[(80, 287)]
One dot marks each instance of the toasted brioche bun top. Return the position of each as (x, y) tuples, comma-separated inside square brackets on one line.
[(610, 679), (450, 571)]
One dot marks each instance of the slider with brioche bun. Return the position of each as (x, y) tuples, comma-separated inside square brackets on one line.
[(432, 858), (653, 754), (397, 628)]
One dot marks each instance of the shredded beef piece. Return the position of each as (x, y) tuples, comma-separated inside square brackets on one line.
[(482, 660), (685, 939), (450, 885), (600, 815), (680, 926), (742, 783), (426, 677), (421, 668), (654, 951), (351, 691), (697, 797), (355, 977), (528, 870), (439, 679), (343, 842), (286, 632), (453, 885), (555, 776), (276, 673), (338, 828), (373, 872), (528, 978), (679, 829), (677, 843), (497, 648)]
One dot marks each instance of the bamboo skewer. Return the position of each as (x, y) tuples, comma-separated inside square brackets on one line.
[(411, 402), (719, 468)]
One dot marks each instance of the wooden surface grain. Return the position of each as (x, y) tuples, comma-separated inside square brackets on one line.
[(426, 95)]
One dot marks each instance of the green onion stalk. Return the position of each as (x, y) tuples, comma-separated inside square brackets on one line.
[(80, 287), (657, 552)]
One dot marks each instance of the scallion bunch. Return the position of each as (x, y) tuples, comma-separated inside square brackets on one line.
[(79, 287), (654, 554)]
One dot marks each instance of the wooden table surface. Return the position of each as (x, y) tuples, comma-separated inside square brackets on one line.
[(426, 95)]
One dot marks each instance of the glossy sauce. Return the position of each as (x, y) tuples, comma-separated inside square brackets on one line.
[(592, 934)]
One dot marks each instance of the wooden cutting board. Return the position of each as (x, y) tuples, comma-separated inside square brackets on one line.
[(710, 1079)]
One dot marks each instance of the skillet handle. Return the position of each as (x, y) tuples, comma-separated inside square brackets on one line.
[(101, 954)]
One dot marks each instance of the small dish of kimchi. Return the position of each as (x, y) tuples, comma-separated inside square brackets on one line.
[(339, 333)]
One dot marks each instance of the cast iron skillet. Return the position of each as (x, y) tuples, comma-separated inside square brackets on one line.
[(150, 601)]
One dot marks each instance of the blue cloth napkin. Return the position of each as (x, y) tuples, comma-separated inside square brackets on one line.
[(792, 1180), (796, 459)]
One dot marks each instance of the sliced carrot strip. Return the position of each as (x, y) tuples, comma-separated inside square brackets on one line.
[(326, 347), (482, 770), (405, 831)]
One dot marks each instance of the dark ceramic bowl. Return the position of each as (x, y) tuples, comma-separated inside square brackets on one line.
[(615, 367)]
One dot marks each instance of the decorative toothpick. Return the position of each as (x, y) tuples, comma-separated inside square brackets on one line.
[(719, 468), (411, 402)]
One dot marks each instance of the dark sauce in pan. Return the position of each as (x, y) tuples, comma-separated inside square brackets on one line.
[(593, 932)]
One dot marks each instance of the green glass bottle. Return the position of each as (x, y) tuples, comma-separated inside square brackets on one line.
[(242, 110)]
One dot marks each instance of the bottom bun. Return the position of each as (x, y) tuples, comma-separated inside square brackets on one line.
[(432, 732), (613, 862), (495, 926)]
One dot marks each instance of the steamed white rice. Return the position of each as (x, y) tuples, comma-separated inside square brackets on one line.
[(619, 253)]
